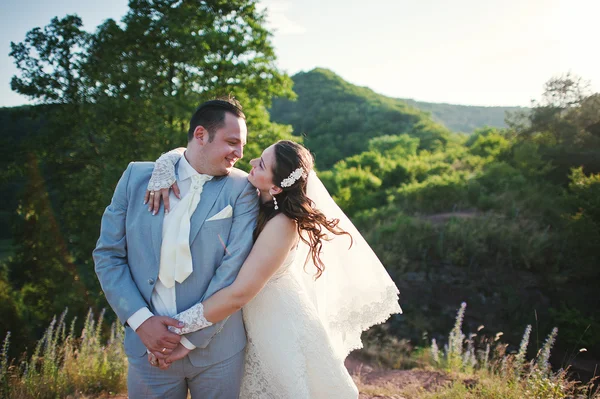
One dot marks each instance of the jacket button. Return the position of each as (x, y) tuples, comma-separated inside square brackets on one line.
[(151, 281)]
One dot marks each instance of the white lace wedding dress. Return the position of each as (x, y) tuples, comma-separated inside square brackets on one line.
[(289, 355)]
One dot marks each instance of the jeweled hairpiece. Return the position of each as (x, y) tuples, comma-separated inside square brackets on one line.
[(292, 178)]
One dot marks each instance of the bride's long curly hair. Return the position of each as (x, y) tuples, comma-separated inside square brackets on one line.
[(311, 223)]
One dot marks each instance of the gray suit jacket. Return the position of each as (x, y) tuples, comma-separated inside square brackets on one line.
[(127, 256)]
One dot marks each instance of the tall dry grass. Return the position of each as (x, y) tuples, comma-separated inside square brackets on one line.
[(68, 364)]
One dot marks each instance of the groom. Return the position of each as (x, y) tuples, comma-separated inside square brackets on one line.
[(151, 267)]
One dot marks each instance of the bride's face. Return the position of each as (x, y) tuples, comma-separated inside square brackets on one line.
[(261, 175)]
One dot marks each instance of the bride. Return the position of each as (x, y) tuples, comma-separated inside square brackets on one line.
[(310, 286)]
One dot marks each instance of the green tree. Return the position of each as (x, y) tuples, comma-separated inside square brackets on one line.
[(585, 192), (568, 115), (432, 136), (169, 56), (43, 273), (564, 125), (489, 146), (50, 61)]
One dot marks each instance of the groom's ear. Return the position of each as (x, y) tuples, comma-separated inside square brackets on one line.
[(201, 135)]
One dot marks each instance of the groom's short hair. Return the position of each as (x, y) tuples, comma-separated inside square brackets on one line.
[(211, 115)]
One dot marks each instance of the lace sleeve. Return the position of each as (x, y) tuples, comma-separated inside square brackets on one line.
[(163, 175), (193, 318)]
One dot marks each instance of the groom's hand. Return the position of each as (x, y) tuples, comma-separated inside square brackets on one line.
[(156, 337)]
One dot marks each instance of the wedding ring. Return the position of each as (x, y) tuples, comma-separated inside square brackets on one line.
[(151, 193), (163, 350)]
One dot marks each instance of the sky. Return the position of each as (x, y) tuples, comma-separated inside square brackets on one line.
[(470, 52)]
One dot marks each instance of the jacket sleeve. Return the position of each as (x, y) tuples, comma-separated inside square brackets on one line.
[(110, 256)]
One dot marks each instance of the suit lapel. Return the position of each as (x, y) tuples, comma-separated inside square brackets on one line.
[(210, 193), (156, 224)]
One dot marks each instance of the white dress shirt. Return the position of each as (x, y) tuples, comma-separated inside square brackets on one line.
[(163, 298)]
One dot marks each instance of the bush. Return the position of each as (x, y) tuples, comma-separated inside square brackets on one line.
[(356, 189), (438, 193), (499, 177)]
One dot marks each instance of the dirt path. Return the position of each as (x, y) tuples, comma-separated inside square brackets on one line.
[(387, 384)]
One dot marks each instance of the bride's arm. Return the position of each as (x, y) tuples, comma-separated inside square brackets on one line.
[(267, 255)]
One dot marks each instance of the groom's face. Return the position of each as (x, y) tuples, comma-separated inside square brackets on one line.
[(226, 147)]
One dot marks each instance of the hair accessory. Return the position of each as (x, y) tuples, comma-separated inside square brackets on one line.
[(292, 178), (275, 202)]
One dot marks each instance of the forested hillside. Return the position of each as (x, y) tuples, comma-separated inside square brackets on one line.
[(330, 110), (337, 118), (465, 118)]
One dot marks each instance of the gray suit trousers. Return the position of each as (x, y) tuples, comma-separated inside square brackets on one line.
[(218, 381)]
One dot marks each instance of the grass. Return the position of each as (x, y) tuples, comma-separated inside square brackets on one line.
[(93, 364), (68, 365), (480, 367)]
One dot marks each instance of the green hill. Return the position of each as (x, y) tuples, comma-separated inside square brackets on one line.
[(465, 118), (338, 118)]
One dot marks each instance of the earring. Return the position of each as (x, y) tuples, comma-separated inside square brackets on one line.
[(275, 202)]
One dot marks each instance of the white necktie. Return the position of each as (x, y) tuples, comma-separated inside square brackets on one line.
[(175, 255)]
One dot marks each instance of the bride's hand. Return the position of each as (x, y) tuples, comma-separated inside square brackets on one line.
[(179, 353), (152, 198), (163, 178)]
